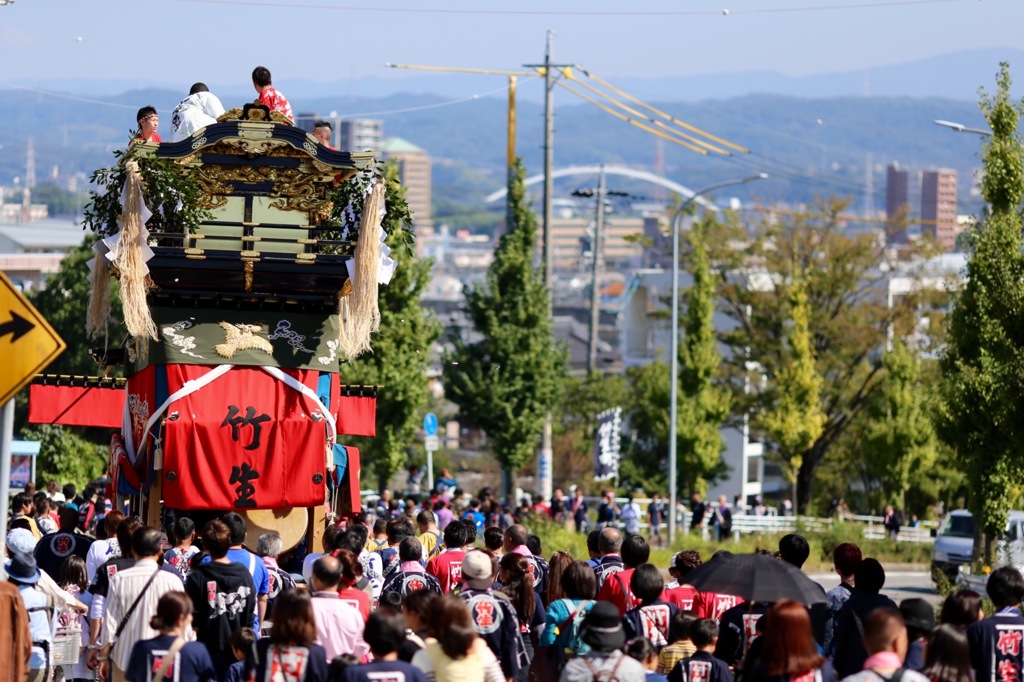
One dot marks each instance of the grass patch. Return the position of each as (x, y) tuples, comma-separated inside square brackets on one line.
[(555, 537)]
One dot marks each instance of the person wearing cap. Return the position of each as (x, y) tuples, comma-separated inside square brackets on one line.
[(24, 574), (21, 540), (494, 617), (919, 617), (602, 631)]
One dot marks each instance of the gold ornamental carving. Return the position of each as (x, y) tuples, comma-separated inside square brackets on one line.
[(247, 271)]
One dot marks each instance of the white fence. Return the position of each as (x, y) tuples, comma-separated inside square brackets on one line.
[(747, 524)]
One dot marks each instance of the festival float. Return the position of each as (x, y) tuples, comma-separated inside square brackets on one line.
[(247, 259)]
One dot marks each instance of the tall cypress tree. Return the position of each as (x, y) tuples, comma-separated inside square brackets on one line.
[(983, 365), (704, 404), (796, 420), (508, 381), (401, 350)]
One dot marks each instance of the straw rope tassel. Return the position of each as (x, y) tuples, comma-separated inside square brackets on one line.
[(99, 298), (359, 311), (131, 266)]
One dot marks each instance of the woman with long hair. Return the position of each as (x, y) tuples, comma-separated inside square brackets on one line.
[(947, 656), (787, 649), (556, 567), (290, 654), (453, 651), (565, 616), (517, 584), (168, 657)]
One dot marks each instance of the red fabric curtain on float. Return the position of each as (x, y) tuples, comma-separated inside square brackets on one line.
[(245, 441), (356, 415), (76, 405)]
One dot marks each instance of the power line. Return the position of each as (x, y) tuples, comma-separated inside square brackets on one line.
[(578, 13), (436, 105), (61, 95)]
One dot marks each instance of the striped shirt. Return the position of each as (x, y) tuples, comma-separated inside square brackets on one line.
[(125, 586)]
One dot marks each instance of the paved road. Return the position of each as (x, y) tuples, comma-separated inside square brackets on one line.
[(898, 585)]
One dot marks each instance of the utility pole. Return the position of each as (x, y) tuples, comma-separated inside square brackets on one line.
[(595, 288), (600, 193), (545, 483)]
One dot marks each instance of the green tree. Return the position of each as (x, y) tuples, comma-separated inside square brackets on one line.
[(58, 201), (703, 402), (401, 350), (64, 302), (508, 381), (983, 364), (900, 438), (847, 320), (65, 456), (795, 421)]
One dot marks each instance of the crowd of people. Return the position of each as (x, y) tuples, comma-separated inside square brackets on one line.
[(436, 591)]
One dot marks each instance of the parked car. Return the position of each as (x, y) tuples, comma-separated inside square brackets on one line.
[(954, 543)]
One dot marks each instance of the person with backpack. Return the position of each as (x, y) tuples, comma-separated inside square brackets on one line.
[(517, 584), (493, 615), (603, 633), (430, 536), (652, 617), (846, 557), (560, 639), (24, 573), (635, 551)]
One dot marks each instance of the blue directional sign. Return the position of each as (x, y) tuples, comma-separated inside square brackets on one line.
[(430, 424)]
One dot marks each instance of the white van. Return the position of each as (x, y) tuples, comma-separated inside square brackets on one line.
[(954, 543)]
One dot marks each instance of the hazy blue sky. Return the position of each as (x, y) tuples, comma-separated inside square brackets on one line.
[(175, 42)]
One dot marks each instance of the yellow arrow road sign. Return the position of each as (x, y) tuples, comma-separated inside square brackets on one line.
[(27, 341)]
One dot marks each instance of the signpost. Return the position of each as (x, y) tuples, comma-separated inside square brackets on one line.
[(431, 445), (27, 345)]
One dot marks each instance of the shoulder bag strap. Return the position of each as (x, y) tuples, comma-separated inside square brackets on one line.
[(131, 609), (630, 602), (165, 665)]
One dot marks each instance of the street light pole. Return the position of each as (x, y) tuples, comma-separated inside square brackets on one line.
[(961, 128), (674, 360)]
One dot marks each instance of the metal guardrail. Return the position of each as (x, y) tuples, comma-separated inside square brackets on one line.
[(771, 522)]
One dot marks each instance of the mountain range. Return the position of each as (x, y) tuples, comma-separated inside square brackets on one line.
[(810, 145)]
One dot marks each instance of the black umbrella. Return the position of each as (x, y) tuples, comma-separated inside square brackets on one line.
[(756, 577)]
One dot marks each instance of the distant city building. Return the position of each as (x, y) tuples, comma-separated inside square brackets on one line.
[(360, 134), (414, 173), (571, 241), (897, 200), (938, 207)]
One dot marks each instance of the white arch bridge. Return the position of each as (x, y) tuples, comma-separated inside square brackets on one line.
[(625, 171)]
